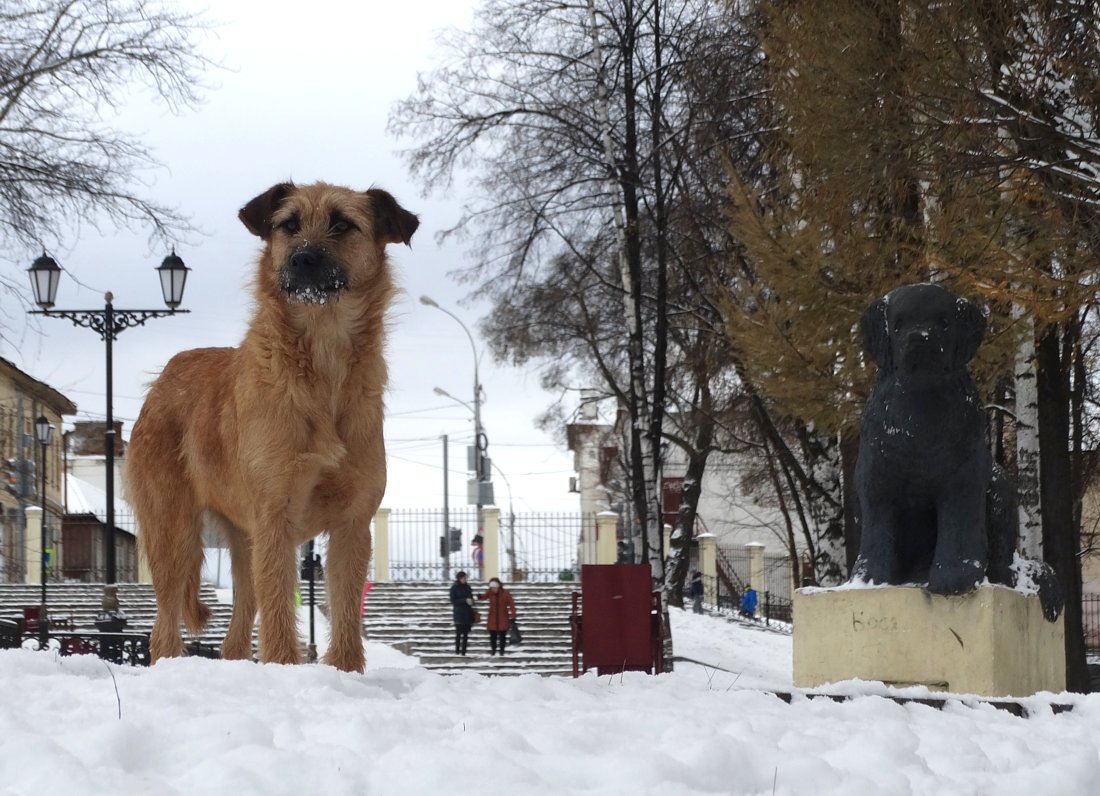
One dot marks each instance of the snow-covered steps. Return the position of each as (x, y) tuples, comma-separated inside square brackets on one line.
[(416, 619), (80, 603)]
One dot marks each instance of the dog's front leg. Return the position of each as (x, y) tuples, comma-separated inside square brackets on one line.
[(962, 550), (346, 566), (274, 574), (878, 559)]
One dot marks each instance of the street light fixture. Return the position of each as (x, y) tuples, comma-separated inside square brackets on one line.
[(444, 394), (511, 513), (481, 442), (44, 432), (108, 322)]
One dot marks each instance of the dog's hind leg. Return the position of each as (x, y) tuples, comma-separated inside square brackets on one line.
[(238, 641), (346, 565), (176, 571)]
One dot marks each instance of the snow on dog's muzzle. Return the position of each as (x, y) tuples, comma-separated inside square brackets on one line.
[(311, 276)]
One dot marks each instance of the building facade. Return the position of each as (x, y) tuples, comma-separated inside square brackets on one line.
[(22, 400)]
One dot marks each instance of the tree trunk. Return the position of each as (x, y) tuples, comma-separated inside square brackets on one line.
[(645, 414), (679, 556), (1030, 542), (1060, 535)]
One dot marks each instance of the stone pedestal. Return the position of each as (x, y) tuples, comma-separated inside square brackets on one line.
[(992, 642)]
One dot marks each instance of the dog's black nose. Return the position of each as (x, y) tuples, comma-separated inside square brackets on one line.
[(305, 260)]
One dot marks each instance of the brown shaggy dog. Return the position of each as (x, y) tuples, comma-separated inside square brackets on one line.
[(280, 439)]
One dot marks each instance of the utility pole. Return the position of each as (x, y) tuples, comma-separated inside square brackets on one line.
[(446, 517), (21, 459)]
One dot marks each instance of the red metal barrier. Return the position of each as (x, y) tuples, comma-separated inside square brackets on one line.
[(618, 627)]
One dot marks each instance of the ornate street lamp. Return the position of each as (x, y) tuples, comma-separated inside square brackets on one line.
[(44, 432), (173, 276), (108, 322), (45, 276)]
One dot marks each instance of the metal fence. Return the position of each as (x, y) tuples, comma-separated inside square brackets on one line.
[(541, 547), (1090, 619), (775, 597), (548, 546)]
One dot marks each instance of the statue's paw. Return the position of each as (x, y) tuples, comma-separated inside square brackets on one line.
[(868, 570), (959, 578)]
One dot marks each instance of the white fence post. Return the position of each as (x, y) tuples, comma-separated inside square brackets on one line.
[(607, 542), (491, 543), (32, 547), (382, 546), (708, 565), (756, 570)]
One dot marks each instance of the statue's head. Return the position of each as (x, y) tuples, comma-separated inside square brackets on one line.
[(922, 331)]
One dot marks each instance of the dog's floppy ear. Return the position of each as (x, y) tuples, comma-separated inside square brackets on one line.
[(256, 215), (392, 222), (970, 328), (876, 333)]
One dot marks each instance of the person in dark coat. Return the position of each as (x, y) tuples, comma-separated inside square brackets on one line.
[(697, 592), (462, 603), (502, 611)]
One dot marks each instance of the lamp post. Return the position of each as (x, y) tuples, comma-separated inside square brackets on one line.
[(109, 322), (312, 649), (44, 431), (481, 442), (511, 514)]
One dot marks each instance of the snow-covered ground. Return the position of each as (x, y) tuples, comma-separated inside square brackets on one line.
[(202, 726)]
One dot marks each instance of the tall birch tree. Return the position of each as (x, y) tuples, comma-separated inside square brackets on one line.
[(583, 129)]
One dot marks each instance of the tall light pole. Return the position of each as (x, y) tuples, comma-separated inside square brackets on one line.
[(481, 442), (311, 571), (44, 431), (446, 514), (511, 513), (109, 322)]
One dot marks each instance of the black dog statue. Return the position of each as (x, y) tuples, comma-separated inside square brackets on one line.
[(934, 506)]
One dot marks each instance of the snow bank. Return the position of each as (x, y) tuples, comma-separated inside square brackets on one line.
[(202, 726)]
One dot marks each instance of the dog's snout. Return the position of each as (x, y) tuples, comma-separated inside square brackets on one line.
[(310, 274)]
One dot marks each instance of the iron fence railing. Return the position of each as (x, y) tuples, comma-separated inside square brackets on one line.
[(542, 547), (1090, 620), (548, 546), (416, 543)]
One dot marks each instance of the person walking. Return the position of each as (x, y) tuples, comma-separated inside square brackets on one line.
[(697, 592), (462, 605), (502, 612), (748, 603)]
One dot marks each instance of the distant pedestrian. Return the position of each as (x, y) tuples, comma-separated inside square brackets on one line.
[(462, 604), (502, 612), (748, 603), (697, 592)]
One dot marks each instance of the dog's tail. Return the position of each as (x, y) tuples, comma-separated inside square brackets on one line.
[(195, 613)]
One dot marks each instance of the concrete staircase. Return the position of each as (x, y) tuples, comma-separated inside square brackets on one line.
[(416, 619), (80, 603)]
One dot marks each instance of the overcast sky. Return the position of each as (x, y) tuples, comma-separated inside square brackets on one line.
[(305, 95)]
